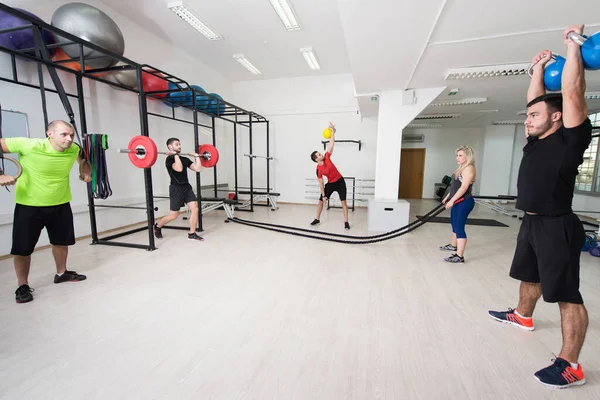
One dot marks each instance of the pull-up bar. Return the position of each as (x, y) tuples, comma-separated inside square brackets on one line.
[(255, 156), (325, 142)]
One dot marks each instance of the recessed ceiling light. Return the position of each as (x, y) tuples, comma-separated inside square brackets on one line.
[(186, 14), (286, 14), (311, 58), (246, 63)]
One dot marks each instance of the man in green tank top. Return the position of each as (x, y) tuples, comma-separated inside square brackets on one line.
[(42, 197)]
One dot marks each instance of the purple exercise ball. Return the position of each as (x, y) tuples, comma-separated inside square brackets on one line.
[(22, 39)]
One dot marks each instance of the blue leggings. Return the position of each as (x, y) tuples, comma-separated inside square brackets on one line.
[(458, 216)]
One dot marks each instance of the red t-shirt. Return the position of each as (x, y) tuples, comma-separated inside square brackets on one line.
[(328, 169)]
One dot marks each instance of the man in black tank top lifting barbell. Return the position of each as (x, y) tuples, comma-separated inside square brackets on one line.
[(180, 190), (551, 237)]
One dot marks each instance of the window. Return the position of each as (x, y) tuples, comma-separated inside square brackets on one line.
[(588, 180)]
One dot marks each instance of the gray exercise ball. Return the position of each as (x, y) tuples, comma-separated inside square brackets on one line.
[(127, 77), (93, 25), (111, 78)]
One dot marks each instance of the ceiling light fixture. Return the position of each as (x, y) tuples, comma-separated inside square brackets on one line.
[(463, 102), (286, 14), (188, 16), (488, 71), (246, 63), (311, 58)]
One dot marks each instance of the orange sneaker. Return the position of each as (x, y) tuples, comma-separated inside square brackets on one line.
[(561, 374), (511, 317)]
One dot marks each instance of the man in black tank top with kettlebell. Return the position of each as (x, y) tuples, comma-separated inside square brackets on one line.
[(551, 237)]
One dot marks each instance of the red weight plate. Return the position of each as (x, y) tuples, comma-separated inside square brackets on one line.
[(146, 160), (214, 155)]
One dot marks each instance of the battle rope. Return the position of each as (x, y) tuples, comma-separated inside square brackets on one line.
[(379, 238), (95, 151), (426, 216)]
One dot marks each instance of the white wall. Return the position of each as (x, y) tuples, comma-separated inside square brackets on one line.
[(440, 146), (494, 177), (298, 110), (115, 113), (397, 108)]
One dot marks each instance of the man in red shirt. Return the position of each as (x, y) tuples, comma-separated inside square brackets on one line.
[(335, 181)]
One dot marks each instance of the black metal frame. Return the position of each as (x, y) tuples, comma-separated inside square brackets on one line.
[(230, 112), (251, 160)]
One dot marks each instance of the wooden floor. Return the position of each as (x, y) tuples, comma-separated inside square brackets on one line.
[(250, 314)]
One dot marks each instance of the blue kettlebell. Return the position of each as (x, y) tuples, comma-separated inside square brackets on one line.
[(590, 49), (553, 73)]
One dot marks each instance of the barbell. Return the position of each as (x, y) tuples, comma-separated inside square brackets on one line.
[(143, 153), (590, 55)]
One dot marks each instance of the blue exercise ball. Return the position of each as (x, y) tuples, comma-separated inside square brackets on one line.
[(169, 101), (181, 97), (22, 39), (201, 100), (215, 106), (91, 24)]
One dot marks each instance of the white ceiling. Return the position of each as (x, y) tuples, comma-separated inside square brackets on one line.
[(246, 25), (384, 44), (421, 40)]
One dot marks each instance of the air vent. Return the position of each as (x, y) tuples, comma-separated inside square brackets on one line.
[(437, 116), (592, 96), (488, 71), (463, 102), (513, 122), (413, 138), (424, 126)]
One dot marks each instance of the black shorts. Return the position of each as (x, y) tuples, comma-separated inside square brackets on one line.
[(180, 196), (29, 221), (548, 252), (338, 186)]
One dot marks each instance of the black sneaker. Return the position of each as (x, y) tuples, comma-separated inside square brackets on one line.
[(346, 225), (315, 222), (561, 374), (454, 258), (157, 231), (69, 276), (23, 294), (511, 317), (193, 236), (448, 247)]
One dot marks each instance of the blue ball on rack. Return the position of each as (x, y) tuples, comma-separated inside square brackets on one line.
[(215, 106), (201, 100), (179, 97)]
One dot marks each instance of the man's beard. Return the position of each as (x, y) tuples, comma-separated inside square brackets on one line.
[(540, 130)]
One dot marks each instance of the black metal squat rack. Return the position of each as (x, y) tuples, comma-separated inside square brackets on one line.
[(226, 111)]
